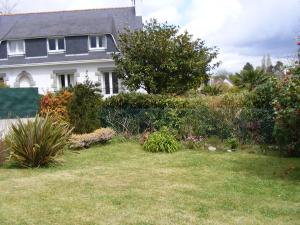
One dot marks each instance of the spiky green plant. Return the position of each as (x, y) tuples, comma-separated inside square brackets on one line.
[(37, 142), (161, 141)]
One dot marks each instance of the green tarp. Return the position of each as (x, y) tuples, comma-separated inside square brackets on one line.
[(18, 102)]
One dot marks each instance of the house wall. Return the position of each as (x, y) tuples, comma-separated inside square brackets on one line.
[(44, 77)]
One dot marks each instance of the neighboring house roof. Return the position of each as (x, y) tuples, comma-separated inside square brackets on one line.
[(219, 80), (68, 23)]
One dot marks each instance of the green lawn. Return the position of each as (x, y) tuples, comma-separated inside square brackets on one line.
[(122, 184)]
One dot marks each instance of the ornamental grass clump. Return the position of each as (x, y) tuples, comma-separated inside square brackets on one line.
[(37, 143), (2, 151), (161, 141)]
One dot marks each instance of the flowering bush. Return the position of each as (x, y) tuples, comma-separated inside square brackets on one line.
[(55, 105), (103, 135)]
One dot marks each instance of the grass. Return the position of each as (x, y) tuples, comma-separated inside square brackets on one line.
[(122, 184)]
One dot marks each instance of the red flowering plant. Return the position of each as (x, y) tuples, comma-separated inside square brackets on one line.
[(55, 105)]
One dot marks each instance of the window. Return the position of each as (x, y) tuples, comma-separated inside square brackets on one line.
[(97, 42), (16, 47), (56, 45), (2, 84), (111, 83), (107, 83), (65, 80), (115, 82)]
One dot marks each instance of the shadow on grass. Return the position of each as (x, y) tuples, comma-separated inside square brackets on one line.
[(269, 167)]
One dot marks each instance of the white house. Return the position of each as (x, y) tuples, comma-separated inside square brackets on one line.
[(55, 50)]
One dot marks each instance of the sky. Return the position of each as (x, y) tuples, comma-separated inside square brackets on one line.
[(243, 30)]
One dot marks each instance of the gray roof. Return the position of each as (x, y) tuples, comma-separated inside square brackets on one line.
[(68, 23)]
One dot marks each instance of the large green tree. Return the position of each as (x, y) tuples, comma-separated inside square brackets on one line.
[(163, 61)]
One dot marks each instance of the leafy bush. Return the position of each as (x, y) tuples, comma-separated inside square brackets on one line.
[(37, 143), (255, 125), (232, 143), (145, 135), (193, 142), (3, 85), (55, 105), (205, 122), (148, 101), (132, 113), (161, 141), (287, 115), (212, 90), (84, 107), (78, 141)]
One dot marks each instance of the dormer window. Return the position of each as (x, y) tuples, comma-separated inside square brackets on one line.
[(16, 48), (56, 45), (97, 43)]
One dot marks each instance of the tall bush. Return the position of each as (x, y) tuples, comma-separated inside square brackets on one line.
[(162, 61), (259, 117), (287, 115), (55, 105), (37, 143), (84, 107)]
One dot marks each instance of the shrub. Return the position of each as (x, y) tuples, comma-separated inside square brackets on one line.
[(55, 106), (193, 142), (132, 113), (38, 142), (287, 115), (145, 135), (212, 90), (161, 141), (84, 107), (204, 122), (232, 143), (3, 85), (78, 141), (146, 101)]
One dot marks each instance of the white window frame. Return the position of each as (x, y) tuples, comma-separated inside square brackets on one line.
[(9, 53), (56, 45), (58, 77), (111, 86), (98, 48)]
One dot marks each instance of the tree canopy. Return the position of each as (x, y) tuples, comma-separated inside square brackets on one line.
[(161, 60)]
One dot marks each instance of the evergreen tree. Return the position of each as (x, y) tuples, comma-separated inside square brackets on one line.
[(84, 107)]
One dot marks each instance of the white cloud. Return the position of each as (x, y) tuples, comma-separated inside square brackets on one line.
[(162, 10), (244, 30), (206, 17)]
